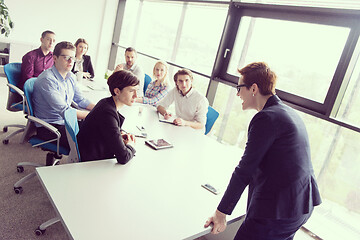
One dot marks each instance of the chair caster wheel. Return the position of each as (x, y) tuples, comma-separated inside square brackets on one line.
[(5, 129), (6, 141), (18, 190), (39, 232), (19, 169)]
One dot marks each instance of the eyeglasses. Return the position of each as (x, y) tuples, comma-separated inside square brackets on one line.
[(67, 58), (238, 87)]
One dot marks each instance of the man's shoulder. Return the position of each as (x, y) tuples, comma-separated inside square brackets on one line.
[(31, 54)]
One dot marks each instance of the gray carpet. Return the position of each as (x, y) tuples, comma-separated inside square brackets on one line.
[(21, 214)]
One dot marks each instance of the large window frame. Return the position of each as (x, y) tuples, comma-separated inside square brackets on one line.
[(331, 17)]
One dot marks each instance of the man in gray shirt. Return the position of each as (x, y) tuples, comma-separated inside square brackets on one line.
[(130, 65)]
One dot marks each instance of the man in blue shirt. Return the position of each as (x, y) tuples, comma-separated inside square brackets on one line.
[(54, 91)]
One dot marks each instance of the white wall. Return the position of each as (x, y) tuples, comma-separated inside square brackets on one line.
[(70, 20)]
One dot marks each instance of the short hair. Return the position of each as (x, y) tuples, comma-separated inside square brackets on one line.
[(63, 45), (130, 49), (122, 79), (43, 35), (183, 71), (81, 40), (259, 73)]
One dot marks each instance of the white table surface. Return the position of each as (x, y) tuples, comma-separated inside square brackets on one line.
[(157, 195)]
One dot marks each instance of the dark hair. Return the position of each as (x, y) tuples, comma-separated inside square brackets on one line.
[(43, 35), (63, 45), (130, 49), (259, 73), (122, 79), (81, 40), (183, 72)]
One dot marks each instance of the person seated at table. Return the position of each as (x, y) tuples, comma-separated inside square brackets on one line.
[(83, 61), (100, 136), (190, 106), (38, 60), (158, 88), (276, 165), (54, 91), (131, 65)]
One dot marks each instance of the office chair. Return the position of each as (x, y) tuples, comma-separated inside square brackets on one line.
[(55, 150), (15, 100), (72, 129), (211, 117), (147, 80)]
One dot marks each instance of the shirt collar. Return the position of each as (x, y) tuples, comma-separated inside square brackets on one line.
[(58, 75), (274, 99), (188, 94), (40, 52)]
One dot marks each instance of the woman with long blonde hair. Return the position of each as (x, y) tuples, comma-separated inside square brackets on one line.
[(158, 88)]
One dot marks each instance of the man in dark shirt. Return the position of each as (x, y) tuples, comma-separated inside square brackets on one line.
[(38, 60)]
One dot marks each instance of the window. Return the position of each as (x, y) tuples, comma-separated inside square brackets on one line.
[(350, 104), (303, 55)]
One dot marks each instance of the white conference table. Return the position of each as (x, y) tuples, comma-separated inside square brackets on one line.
[(157, 195)]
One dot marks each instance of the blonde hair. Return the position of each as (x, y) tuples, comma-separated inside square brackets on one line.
[(164, 80)]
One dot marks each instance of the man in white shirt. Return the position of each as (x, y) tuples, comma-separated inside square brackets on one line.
[(130, 65), (191, 107)]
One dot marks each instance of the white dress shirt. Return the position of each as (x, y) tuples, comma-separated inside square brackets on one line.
[(191, 107)]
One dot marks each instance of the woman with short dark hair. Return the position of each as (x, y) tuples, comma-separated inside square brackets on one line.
[(100, 136)]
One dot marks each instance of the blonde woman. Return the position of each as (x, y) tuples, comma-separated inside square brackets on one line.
[(158, 88)]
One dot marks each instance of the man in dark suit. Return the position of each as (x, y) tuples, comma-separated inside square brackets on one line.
[(276, 165)]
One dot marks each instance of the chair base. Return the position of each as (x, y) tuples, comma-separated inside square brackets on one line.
[(42, 228), (5, 129), (52, 159)]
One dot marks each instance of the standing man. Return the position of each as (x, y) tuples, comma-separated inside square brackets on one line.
[(131, 65), (54, 91), (38, 60)]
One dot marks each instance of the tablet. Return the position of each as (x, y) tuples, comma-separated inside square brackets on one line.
[(158, 144)]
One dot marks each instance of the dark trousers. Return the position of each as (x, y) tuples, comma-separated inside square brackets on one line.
[(44, 134), (270, 229)]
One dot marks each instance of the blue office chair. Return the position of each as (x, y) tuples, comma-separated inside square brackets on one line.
[(15, 101), (72, 129), (147, 80), (211, 117), (55, 150)]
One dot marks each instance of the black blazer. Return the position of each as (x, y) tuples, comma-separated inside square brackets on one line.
[(87, 66), (99, 136), (276, 165)]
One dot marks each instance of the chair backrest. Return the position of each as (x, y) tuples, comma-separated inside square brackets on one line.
[(211, 117), (15, 98), (28, 91), (72, 129), (13, 73), (147, 80)]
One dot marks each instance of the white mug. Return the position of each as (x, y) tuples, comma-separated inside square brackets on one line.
[(79, 76)]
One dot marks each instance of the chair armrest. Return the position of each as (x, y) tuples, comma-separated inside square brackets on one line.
[(50, 128), (18, 90), (45, 124)]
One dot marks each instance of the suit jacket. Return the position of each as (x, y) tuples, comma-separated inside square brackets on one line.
[(276, 165), (87, 66), (99, 136)]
